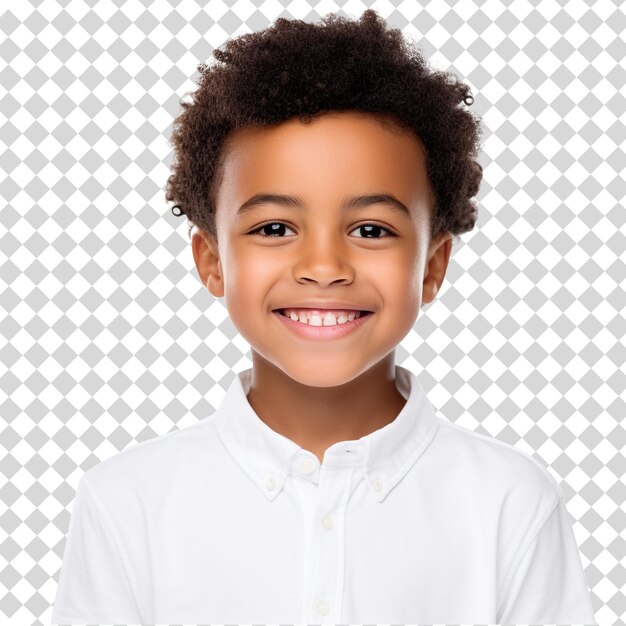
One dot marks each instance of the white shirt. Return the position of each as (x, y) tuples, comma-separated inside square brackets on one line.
[(227, 521)]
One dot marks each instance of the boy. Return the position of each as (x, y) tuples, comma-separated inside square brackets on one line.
[(326, 170)]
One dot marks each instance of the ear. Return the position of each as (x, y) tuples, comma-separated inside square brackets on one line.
[(208, 263), (438, 258)]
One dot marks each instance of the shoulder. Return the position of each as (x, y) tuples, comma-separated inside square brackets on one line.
[(496, 468), (144, 466), (506, 492)]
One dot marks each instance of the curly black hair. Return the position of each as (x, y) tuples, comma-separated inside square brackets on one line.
[(294, 68)]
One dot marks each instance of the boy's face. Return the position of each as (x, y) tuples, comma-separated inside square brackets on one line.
[(322, 254)]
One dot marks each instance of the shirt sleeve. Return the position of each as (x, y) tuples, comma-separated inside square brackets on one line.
[(546, 584), (94, 584)]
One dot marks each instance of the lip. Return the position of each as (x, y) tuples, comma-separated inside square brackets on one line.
[(320, 305), (322, 332)]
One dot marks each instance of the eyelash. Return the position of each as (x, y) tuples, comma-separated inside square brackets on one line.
[(256, 230)]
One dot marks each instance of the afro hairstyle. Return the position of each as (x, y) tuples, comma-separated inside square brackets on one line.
[(295, 68)]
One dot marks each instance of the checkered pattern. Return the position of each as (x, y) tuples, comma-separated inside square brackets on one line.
[(107, 337)]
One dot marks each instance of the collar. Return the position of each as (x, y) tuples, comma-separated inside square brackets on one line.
[(384, 456)]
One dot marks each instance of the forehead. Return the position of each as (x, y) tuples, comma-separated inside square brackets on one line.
[(331, 129), (335, 153)]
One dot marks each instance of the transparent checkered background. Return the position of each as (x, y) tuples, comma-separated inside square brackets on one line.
[(108, 338)]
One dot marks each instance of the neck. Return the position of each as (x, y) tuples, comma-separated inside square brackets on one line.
[(317, 417)]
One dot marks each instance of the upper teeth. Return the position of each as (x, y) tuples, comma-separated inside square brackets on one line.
[(321, 318)]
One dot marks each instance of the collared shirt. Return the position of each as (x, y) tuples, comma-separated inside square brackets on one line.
[(227, 521)]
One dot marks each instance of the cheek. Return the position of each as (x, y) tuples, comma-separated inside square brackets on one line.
[(400, 281), (247, 285)]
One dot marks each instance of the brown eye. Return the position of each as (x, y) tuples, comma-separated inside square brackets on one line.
[(274, 231), (372, 229)]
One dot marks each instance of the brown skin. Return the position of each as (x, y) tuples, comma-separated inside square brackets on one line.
[(317, 393)]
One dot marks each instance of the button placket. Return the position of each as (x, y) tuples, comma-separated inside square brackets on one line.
[(326, 574)]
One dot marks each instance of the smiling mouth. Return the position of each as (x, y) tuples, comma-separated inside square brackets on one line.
[(315, 317)]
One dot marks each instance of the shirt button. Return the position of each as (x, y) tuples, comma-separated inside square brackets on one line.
[(322, 607), (271, 483), (327, 521), (378, 486), (307, 465)]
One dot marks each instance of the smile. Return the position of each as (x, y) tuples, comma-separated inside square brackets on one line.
[(331, 330)]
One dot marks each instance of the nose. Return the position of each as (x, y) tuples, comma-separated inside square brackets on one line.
[(324, 261)]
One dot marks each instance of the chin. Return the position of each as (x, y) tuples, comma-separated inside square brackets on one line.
[(325, 375)]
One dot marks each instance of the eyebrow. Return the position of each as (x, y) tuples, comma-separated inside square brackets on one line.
[(356, 202)]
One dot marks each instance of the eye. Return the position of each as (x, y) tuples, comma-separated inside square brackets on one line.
[(276, 230), (373, 229)]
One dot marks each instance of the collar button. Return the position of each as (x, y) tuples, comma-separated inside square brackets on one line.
[(270, 483), (306, 465), (378, 486)]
